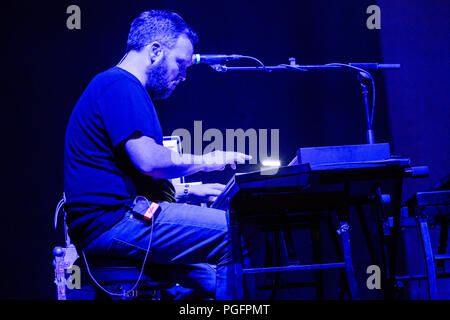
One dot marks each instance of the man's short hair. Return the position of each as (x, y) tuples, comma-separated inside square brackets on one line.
[(158, 25)]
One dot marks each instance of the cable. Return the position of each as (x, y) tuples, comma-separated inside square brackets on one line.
[(295, 67), (253, 58), (371, 79), (123, 58), (58, 208), (288, 66), (142, 268)]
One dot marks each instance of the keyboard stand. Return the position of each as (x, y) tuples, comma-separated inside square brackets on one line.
[(328, 189)]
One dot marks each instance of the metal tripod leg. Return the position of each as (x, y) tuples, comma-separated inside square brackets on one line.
[(429, 258), (442, 249), (238, 292), (351, 279), (317, 256)]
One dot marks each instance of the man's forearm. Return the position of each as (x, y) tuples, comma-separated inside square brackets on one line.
[(169, 164), (160, 162)]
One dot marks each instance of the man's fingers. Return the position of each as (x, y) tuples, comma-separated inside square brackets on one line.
[(222, 159), (218, 186), (214, 192), (241, 158), (212, 199), (245, 156), (237, 157)]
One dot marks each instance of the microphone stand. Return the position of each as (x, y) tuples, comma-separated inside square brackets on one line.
[(369, 134), (362, 74)]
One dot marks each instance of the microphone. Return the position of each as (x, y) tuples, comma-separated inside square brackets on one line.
[(214, 58)]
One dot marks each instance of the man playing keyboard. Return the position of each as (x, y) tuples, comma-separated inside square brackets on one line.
[(119, 200)]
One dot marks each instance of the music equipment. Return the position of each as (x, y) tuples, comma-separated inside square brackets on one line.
[(310, 178), (300, 190)]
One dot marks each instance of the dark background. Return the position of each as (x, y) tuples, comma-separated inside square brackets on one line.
[(48, 66)]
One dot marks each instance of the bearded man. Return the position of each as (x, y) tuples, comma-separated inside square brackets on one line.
[(116, 168)]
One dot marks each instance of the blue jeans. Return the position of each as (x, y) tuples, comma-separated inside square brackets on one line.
[(181, 234)]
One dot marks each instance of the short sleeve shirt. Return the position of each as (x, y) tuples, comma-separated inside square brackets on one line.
[(99, 178)]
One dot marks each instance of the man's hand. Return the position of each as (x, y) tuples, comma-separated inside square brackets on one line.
[(207, 192), (217, 160), (199, 193)]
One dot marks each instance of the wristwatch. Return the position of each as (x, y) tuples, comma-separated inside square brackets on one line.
[(186, 191)]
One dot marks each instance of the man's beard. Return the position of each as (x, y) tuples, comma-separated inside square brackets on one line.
[(157, 83)]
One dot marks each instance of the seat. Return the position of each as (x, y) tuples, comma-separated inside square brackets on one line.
[(103, 277)]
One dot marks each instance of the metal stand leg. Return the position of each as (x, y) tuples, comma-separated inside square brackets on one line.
[(343, 231), (387, 241), (343, 287), (442, 249), (392, 242), (429, 258), (238, 292), (317, 257)]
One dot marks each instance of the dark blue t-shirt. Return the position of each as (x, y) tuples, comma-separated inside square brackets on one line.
[(99, 178)]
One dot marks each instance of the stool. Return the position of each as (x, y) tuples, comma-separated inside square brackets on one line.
[(431, 208), (115, 275), (118, 276)]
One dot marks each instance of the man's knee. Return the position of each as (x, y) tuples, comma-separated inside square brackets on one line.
[(200, 278)]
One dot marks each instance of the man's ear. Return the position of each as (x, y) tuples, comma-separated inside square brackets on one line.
[(155, 52)]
